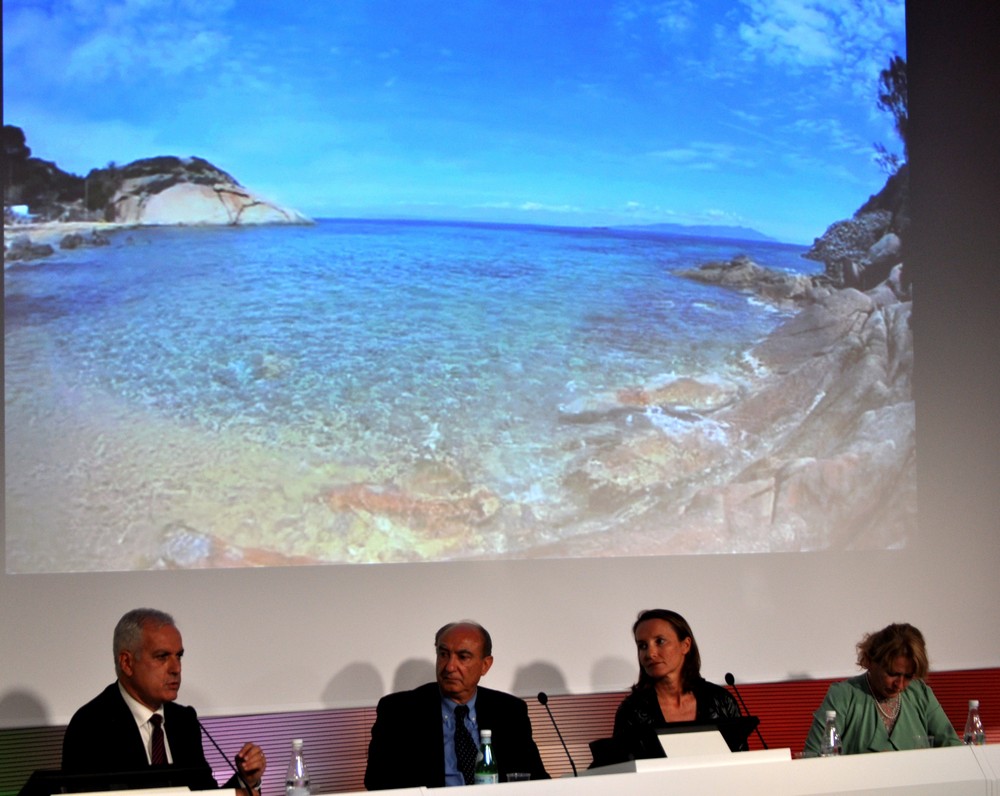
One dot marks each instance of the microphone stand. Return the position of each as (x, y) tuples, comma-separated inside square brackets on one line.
[(544, 699), (731, 681), (236, 771)]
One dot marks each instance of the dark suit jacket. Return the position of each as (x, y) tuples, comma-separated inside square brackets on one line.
[(103, 737), (639, 716), (407, 745)]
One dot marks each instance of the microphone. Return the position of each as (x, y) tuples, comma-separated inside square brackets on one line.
[(236, 771), (544, 699), (731, 681)]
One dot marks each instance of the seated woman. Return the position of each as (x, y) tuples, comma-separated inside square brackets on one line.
[(889, 706), (670, 686)]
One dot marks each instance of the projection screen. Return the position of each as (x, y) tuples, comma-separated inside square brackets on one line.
[(489, 380)]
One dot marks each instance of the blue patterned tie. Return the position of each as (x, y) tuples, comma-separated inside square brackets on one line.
[(465, 749)]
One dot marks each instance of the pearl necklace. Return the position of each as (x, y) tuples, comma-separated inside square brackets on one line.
[(893, 713), (890, 715)]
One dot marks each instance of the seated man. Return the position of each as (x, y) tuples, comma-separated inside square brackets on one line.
[(134, 723), (417, 740)]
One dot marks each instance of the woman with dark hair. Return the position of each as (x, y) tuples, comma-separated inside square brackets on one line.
[(670, 686), (889, 706)]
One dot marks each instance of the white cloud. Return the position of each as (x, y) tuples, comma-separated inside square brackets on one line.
[(90, 41), (676, 17), (540, 206), (701, 155), (531, 207), (848, 39), (832, 132), (131, 52)]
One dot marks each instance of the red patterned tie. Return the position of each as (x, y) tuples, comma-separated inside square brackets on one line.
[(158, 750)]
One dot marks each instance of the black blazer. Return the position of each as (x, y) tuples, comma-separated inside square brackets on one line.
[(407, 745), (103, 737), (639, 715)]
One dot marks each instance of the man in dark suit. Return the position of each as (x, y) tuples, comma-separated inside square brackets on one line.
[(135, 723), (414, 737)]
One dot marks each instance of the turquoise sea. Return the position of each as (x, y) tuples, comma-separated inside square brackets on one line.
[(343, 352)]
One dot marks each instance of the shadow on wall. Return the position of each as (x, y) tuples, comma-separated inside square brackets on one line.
[(413, 672), (613, 674), (361, 684), (23, 709), (355, 683), (538, 676)]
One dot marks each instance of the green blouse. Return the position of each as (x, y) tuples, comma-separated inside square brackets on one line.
[(861, 726)]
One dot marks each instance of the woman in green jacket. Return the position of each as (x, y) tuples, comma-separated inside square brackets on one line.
[(889, 707)]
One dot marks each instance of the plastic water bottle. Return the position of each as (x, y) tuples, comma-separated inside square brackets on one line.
[(486, 765), (830, 745), (974, 733), (297, 778)]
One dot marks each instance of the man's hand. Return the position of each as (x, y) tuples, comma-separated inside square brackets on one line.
[(250, 762)]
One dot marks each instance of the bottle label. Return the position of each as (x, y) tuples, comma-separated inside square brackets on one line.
[(291, 790), (487, 779)]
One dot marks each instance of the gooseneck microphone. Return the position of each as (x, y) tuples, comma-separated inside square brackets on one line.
[(236, 771), (731, 681), (544, 699)]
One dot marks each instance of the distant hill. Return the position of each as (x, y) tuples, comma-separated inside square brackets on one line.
[(700, 231)]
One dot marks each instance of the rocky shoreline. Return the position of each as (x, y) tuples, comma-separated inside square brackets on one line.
[(45, 207), (813, 449), (34, 241)]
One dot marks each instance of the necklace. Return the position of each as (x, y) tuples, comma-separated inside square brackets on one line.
[(890, 714), (893, 712)]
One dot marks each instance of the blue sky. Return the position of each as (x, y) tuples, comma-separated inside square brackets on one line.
[(757, 113)]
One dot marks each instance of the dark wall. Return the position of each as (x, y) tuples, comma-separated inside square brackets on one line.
[(954, 105)]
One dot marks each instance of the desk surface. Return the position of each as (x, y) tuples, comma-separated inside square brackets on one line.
[(952, 771)]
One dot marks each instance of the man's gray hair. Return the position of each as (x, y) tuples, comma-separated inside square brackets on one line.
[(128, 631)]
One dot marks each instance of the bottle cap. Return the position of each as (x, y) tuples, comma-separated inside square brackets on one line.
[(973, 704), (831, 714), (297, 743), (486, 734)]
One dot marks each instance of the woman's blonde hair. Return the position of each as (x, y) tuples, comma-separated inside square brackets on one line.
[(883, 646)]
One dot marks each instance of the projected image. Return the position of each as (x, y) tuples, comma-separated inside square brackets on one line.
[(366, 282)]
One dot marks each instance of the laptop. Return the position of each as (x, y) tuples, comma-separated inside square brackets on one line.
[(46, 782), (684, 738), (676, 739)]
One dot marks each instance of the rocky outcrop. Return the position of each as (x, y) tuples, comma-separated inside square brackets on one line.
[(21, 248), (158, 190), (862, 251), (34, 241), (77, 240), (154, 191), (845, 244), (170, 190), (815, 450), (742, 273)]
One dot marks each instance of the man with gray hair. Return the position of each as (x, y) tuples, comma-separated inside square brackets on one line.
[(135, 722)]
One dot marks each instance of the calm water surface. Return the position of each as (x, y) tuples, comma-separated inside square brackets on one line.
[(372, 342)]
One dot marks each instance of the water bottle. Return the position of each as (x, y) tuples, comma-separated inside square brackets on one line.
[(297, 778), (830, 745), (974, 733), (486, 765)]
